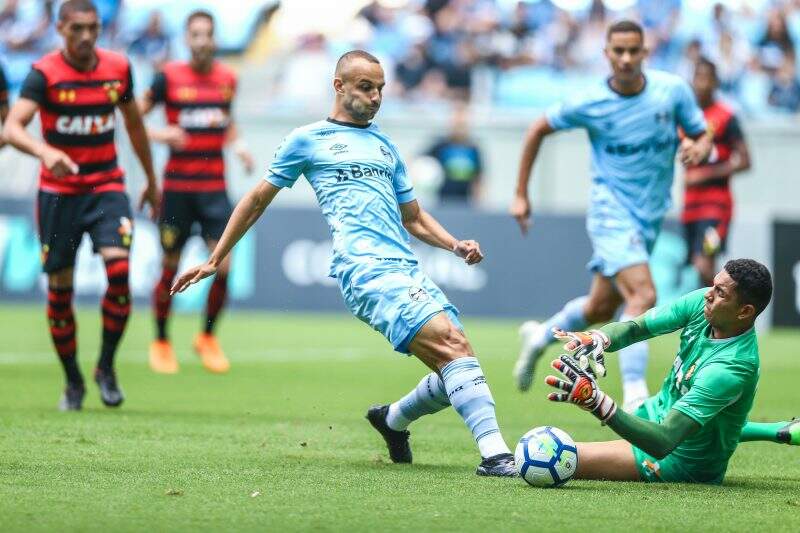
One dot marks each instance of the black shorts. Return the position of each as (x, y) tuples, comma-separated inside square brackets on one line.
[(64, 218), (705, 237), (180, 211)]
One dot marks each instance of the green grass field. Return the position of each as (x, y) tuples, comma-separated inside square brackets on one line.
[(280, 443)]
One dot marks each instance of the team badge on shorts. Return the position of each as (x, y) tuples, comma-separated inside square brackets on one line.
[(418, 294), (651, 468), (45, 253), (126, 231)]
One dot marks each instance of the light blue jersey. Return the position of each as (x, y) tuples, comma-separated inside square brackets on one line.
[(360, 182), (359, 179), (634, 140)]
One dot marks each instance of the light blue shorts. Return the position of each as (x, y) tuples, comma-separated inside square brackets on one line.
[(619, 240), (394, 297)]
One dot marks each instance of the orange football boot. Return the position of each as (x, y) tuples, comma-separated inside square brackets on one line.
[(212, 356), (162, 357)]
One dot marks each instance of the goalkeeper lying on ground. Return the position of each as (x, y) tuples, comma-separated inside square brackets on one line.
[(689, 430)]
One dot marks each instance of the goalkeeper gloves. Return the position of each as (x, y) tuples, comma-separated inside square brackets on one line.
[(580, 388), (587, 348)]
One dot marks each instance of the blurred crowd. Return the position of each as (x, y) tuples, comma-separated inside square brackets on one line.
[(501, 52), (27, 31), (457, 48)]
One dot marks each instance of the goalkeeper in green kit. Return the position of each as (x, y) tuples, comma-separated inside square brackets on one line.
[(689, 430)]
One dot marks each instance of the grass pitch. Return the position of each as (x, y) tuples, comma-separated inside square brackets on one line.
[(280, 443)]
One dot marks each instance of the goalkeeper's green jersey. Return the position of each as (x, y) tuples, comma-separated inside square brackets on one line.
[(712, 381)]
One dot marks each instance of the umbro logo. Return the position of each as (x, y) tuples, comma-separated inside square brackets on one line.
[(338, 147)]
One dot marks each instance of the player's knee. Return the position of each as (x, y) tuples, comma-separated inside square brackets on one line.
[(641, 300), (452, 344), (61, 279)]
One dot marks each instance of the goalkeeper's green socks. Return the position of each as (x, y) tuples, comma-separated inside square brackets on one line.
[(783, 432)]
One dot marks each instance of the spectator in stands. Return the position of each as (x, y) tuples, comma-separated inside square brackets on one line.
[(731, 56), (411, 69), (784, 93), (776, 42), (660, 18), (461, 161), (26, 33), (153, 43), (687, 63)]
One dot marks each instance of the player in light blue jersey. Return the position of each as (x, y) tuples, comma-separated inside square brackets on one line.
[(632, 119), (369, 203)]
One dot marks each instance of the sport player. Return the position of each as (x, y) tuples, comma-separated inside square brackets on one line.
[(76, 91), (632, 119), (197, 97), (689, 430), (708, 204), (370, 206)]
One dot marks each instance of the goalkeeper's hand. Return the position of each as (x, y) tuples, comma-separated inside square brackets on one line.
[(586, 347), (580, 388)]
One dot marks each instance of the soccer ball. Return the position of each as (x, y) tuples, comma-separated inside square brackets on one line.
[(546, 457)]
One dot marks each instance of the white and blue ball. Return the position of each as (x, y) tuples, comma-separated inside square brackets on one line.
[(546, 457)]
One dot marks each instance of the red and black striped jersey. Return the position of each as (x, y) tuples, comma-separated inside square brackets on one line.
[(200, 103), (712, 199), (3, 89), (77, 111)]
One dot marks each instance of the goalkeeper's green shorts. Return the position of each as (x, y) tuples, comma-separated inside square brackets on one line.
[(670, 469)]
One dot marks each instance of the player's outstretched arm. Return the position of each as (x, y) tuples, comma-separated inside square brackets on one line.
[(424, 227), (245, 214), (141, 147), (654, 439), (579, 387), (16, 134), (520, 206), (588, 347)]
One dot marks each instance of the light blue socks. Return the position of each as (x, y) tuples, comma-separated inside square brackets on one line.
[(427, 398), (470, 396), (462, 385)]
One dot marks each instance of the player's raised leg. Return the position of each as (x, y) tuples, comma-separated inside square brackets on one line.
[(599, 306), (783, 432), (444, 348), (115, 308), (636, 286), (162, 356), (61, 319), (205, 343)]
